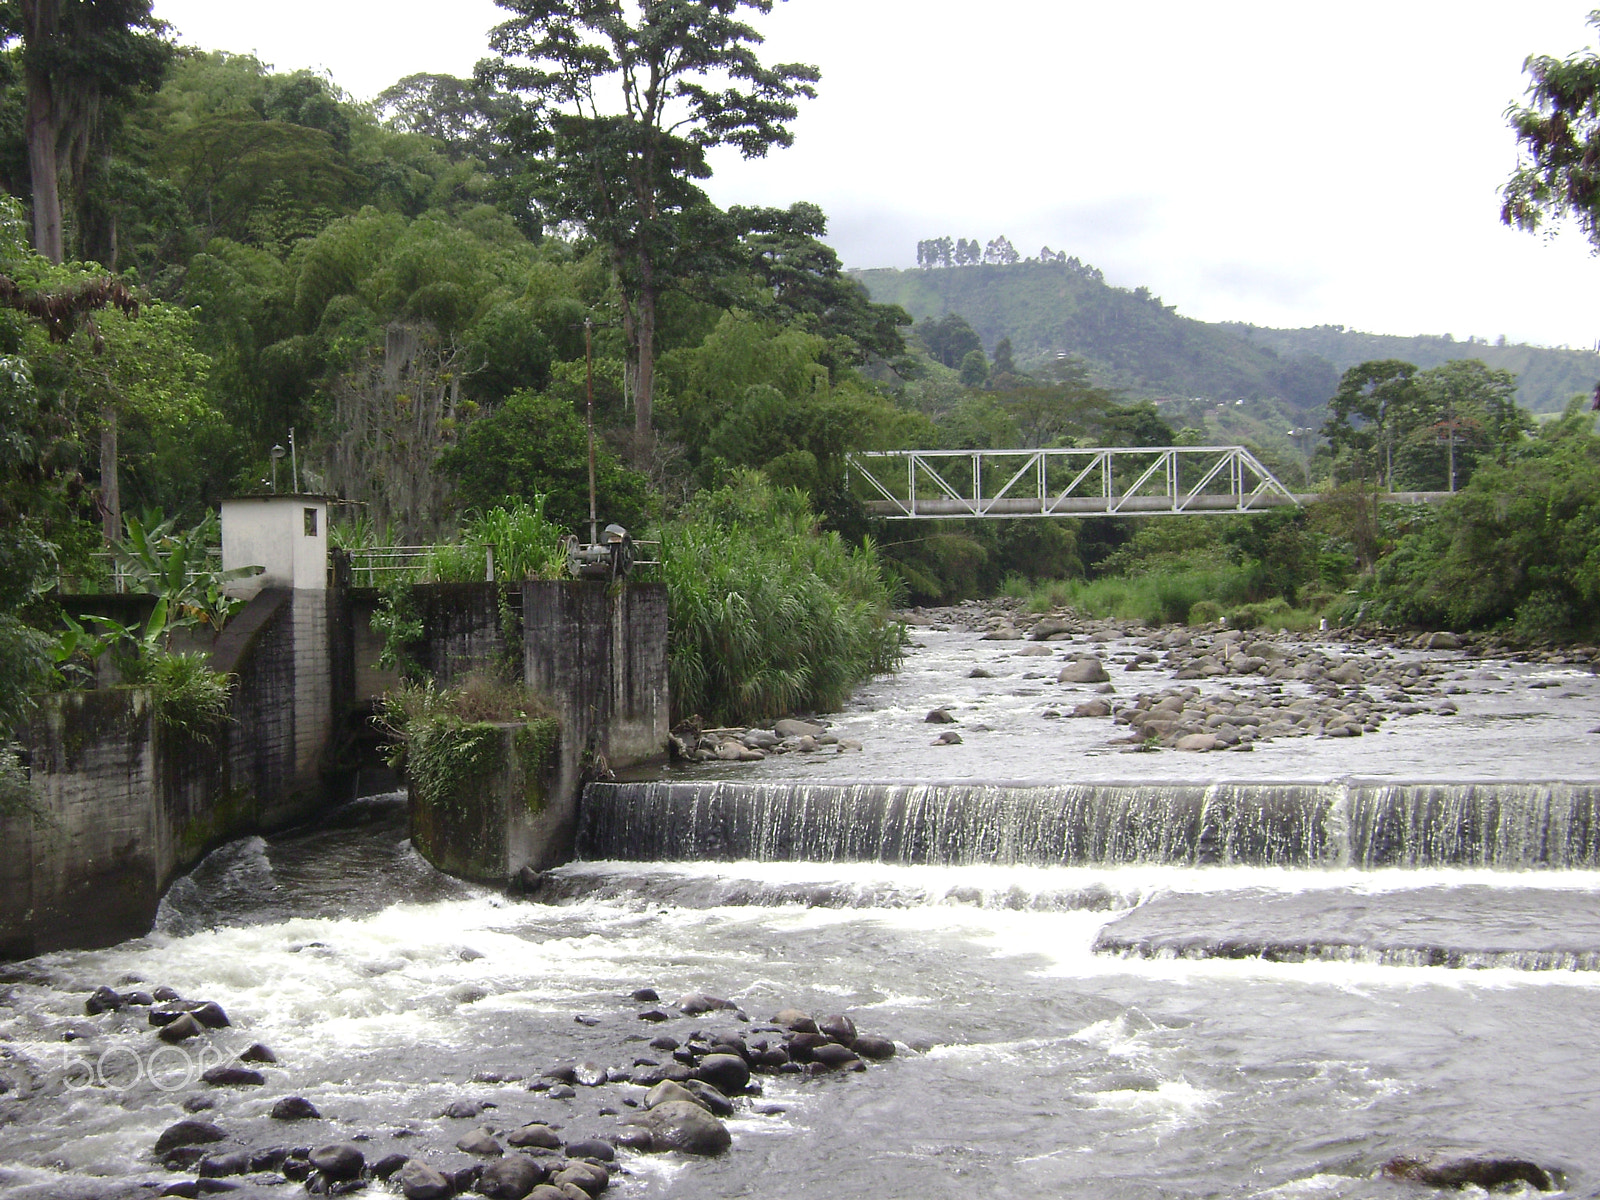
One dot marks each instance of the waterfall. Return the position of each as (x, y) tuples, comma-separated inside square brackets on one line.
[(1358, 824)]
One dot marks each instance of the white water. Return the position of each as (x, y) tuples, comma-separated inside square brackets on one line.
[(1030, 1065)]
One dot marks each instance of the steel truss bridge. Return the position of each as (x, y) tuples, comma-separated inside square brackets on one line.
[(1105, 481)]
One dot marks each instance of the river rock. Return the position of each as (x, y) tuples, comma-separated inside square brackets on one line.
[(645, 995), (793, 1018), (668, 1091), (839, 1027), (1092, 708), (834, 1056), (511, 1178), (339, 1161), (589, 1074), (1003, 633), (232, 1075), (199, 1103), (257, 1053), (1442, 640), (181, 1029), (102, 1000), (727, 1072), (696, 1003), (534, 1135), (480, 1141), (1034, 652), (187, 1133), (870, 1046), (789, 727), (684, 1126), (1084, 670), (1488, 1172), (587, 1177), (940, 716), (210, 1015), (1048, 627), (215, 1166), (979, 673), (592, 1148), (295, 1108), (760, 739), (708, 1097), (1197, 741), (419, 1181)]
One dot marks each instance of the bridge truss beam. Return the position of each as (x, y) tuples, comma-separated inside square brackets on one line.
[(909, 485)]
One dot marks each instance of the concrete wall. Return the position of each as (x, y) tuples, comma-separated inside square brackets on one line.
[(286, 535), (600, 656)]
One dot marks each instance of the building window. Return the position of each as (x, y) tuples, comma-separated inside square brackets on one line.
[(311, 522)]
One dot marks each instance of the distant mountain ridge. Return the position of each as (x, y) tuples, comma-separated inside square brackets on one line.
[(1138, 344)]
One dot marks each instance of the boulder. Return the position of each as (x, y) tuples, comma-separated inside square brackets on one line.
[(1084, 670), (102, 1000), (1198, 742), (539, 1136), (210, 1015), (1002, 633), (419, 1181), (834, 1056), (592, 1148), (668, 1091), (793, 1018), (789, 727), (215, 1166), (940, 716), (1034, 652), (1092, 708), (339, 1161), (233, 1075), (1048, 628), (180, 1029), (388, 1165), (948, 738), (726, 1072), (1487, 1172), (257, 1053), (696, 1003), (480, 1141), (708, 1097), (589, 1074), (685, 1127), (1443, 640), (587, 1177), (463, 1110), (187, 1133), (295, 1108), (511, 1178), (870, 1046), (839, 1027)]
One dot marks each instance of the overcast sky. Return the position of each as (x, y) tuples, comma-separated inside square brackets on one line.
[(1281, 163)]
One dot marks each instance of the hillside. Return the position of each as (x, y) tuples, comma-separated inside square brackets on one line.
[(1546, 378), (1136, 343)]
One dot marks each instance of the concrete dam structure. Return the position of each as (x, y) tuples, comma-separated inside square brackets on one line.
[(123, 805)]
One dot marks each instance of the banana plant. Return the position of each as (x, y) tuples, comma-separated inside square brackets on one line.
[(177, 567)]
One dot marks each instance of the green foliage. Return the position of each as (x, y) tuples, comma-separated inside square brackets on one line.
[(526, 546), (190, 699), (17, 797), (535, 445), (767, 615), (180, 568), (1558, 139)]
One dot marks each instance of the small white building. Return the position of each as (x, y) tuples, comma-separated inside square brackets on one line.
[(287, 534)]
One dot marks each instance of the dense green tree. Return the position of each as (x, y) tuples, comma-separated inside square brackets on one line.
[(533, 445), (974, 368), (1376, 403), (622, 109), (81, 61), (949, 339)]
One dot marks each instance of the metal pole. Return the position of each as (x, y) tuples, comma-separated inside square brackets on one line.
[(294, 464), (588, 371)]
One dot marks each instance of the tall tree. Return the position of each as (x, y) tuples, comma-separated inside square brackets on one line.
[(1376, 402), (1558, 136), (624, 104), (81, 58)]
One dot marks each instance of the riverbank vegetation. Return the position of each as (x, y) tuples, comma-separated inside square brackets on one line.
[(248, 280)]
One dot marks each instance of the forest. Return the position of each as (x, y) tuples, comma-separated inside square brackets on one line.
[(206, 260)]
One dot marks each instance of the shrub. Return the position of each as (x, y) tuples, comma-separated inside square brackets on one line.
[(768, 615)]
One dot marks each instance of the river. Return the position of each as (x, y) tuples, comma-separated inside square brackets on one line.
[(1240, 993)]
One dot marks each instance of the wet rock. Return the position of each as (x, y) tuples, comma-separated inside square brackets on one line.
[(214, 1166), (1442, 640), (1198, 742), (1048, 628), (667, 1091), (1034, 652), (535, 1136), (388, 1165), (181, 1029), (870, 1046), (199, 1103), (940, 716), (1488, 1172), (708, 1097), (654, 1014), (1084, 670), (979, 673), (562, 1091), (270, 1159), (729, 1073), (696, 1003), (183, 1158), (633, 1139), (463, 1110), (793, 1018), (210, 1015), (592, 1148), (645, 995), (295, 1108), (834, 1056), (1003, 633), (164, 994), (589, 1074), (257, 1053), (587, 1177), (297, 1166), (684, 1126), (585, 1019), (187, 1133), (788, 728), (231, 1075), (1092, 708), (480, 1141), (419, 1181), (948, 738), (549, 1191), (102, 1000), (466, 1178), (338, 1161), (512, 1178), (838, 1027)]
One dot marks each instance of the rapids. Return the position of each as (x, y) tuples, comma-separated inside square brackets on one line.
[(1160, 979)]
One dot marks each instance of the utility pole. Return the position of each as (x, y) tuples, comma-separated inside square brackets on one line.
[(588, 371)]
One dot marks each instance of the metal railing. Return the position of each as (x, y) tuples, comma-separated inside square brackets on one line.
[(1080, 482), (120, 575)]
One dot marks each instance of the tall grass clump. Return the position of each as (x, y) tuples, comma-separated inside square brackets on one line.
[(526, 546), (768, 615)]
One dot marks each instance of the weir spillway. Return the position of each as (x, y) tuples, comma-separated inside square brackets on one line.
[(1357, 824)]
